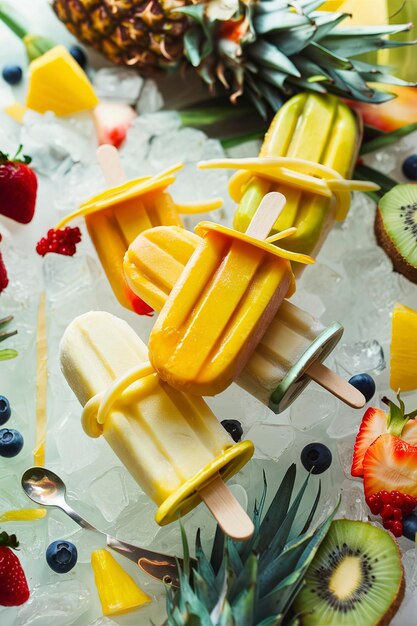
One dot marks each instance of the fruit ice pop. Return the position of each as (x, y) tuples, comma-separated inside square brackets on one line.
[(116, 216), (308, 152), (171, 443), (222, 304), (278, 370)]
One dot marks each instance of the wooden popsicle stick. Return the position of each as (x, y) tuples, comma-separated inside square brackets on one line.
[(266, 215), (232, 519), (111, 165), (337, 385)]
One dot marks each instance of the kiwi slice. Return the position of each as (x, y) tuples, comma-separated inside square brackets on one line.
[(355, 579), (396, 228)]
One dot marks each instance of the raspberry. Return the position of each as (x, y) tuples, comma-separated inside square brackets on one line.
[(397, 514), (59, 241), (385, 497), (375, 504), (387, 512), (396, 529), (387, 524), (409, 504)]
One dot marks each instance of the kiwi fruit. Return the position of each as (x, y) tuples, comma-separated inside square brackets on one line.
[(355, 579), (396, 228)]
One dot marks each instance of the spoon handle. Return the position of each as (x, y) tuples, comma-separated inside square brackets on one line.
[(77, 518)]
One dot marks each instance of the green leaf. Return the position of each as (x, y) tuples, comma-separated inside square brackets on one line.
[(267, 22), (5, 335), (8, 354), (277, 511), (269, 55), (5, 321), (312, 512), (387, 139), (294, 41), (280, 538), (326, 58), (217, 550)]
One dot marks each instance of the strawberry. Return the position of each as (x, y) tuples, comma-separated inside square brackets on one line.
[(112, 121), (18, 187), (13, 585), (390, 464), (4, 280), (376, 422)]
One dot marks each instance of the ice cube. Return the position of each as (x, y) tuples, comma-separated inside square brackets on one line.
[(75, 449), (150, 98), (103, 621), (83, 181), (56, 144), (352, 505), (271, 440), (118, 83), (54, 604), (136, 522), (345, 454), (361, 356), (109, 493), (312, 408)]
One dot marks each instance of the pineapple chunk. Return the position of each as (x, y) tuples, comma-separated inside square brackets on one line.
[(16, 111), (118, 592), (403, 362), (57, 83)]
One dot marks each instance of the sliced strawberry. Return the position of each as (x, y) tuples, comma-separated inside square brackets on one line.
[(112, 121), (374, 423), (390, 464)]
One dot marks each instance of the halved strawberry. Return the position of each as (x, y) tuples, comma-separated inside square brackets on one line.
[(390, 464), (376, 422)]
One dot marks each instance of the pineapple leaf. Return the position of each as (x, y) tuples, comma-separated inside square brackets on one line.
[(243, 605), (204, 567), (226, 618), (371, 31), (280, 538), (186, 551), (326, 23), (312, 512), (267, 22), (388, 79), (274, 77), (270, 56), (217, 550), (327, 58), (294, 41), (277, 510), (192, 43), (351, 47), (273, 620), (386, 139)]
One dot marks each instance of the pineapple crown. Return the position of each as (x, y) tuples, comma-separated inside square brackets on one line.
[(274, 48), (5, 334), (254, 582)]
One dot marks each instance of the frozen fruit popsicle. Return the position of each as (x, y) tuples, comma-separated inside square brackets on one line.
[(314, 140), (222, 304), (171, 443), (279, 368), (115, 217)]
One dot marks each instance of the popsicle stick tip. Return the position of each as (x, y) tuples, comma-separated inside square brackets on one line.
[(337, 385), (266, 215), (231, 517), (110, 163)]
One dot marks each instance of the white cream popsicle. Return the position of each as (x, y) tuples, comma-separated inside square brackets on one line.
[(172, 444)]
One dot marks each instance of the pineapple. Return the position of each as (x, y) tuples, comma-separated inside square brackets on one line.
[(268, 49), (403, 362), (254, 583)]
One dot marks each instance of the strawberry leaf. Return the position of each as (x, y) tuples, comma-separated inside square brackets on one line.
[(8, 541), (397, 417)]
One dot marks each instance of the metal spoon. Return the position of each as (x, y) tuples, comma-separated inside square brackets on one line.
[(44, 487)]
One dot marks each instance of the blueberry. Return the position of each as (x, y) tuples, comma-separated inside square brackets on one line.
[(410, 167), (365, 384), (79, 55), (5, 410), (12, 74), (410, 526), (234, 428), (11, 442), (61, 556), (316, 457)]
